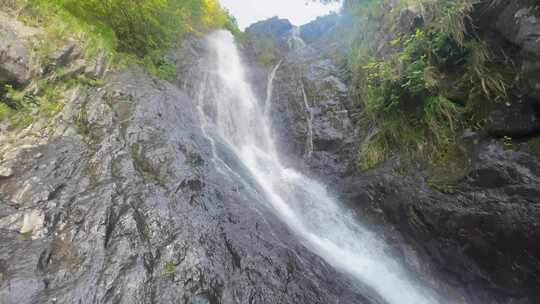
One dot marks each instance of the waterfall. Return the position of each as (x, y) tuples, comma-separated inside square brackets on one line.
[(270, 89), (309, 121), (294, 41), (230, 109)]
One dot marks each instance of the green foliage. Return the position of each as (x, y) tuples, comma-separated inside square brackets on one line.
[(534, 143), (493, 73), (423, 87), (5, 111), (126, 31), (21, 107), (15, 107), (27, 236), (450, 17), (159, 66), (89, 81), (402, 96), (147, 25), (368, 8), (169, 267), (82, 123), (267, 52), (134, 28), (59, 25), (508, 142)]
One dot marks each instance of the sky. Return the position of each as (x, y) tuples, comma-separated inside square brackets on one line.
[(299, 12)]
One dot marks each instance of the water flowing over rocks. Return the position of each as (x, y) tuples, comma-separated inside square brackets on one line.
[(120, 199), (135, 212), (117, 200), (481, 234)]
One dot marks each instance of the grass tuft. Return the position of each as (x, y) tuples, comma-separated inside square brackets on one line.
[(534, 143), (424, 86)]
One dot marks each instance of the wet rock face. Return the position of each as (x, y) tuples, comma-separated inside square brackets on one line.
[(117, 199), (481, 235), (124, 205), (311, 112), (519, 23), (518, 118)]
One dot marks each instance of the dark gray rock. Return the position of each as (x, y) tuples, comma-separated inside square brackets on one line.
[(273, 28), (315, 29), (478, 235), (311, 113), (519, 22), (15, 56), (97, 67), (127, 206), (76, 68), (68, 53), (518, 118), (482, 235)]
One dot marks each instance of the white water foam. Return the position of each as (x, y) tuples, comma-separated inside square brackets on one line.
[(303, 204)]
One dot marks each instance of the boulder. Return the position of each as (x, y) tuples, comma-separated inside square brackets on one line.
[(519, 22), (516, 119), (97, 67), (78, 67), (5, 172), (16, 64)]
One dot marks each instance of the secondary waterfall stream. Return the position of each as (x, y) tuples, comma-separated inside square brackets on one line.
[(229, 108), (309, 120), (270, 90)]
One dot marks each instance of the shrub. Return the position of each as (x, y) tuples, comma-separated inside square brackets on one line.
[(266, 50), (534, 143), (423, 87), (146, 25), (403, 96), (125, 30), (132, 27)]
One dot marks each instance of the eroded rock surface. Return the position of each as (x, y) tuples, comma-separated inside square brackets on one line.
[(122, 203), (480, 233)]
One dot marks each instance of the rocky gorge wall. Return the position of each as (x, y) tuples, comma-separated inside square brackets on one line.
[(116, 199), (481, 232)]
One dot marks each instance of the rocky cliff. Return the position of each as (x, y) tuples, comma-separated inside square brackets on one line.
[(114, 196), (115, 199), (480, 231)]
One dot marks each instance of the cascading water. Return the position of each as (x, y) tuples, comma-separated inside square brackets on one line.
[(309, 120), (270, 89), (228, 104), (294, 42)]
